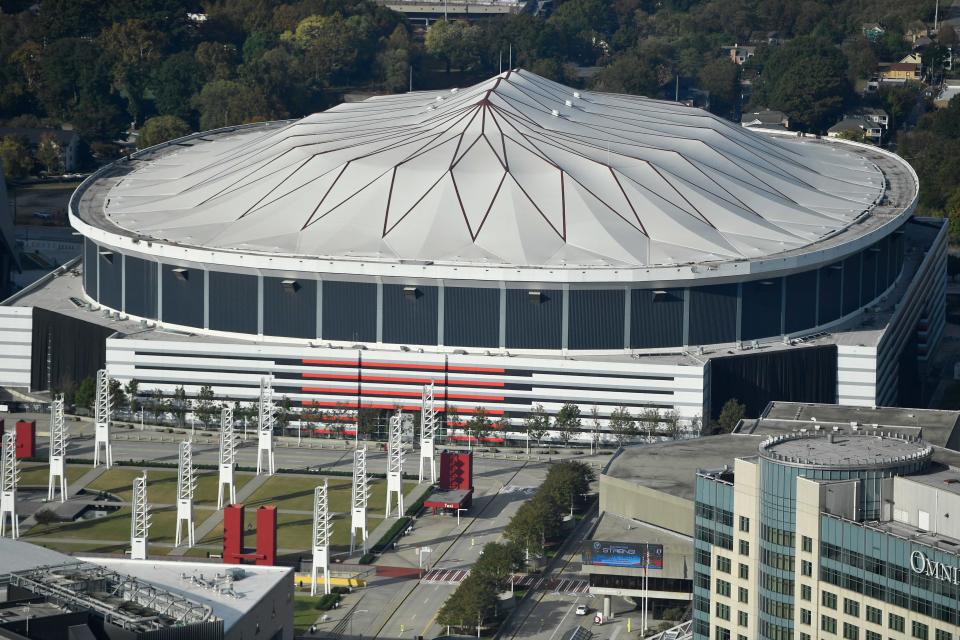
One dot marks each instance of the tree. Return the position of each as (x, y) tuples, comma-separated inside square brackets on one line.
[(471, 605), (533, 521), (649, 421), (173, 82), (205, 408), (807, 79), (86, 393), (622, 425), (216, 60), (132, 389), (394, 60), (367, 422), (161, 129), (671, 421), (452, 419), (479, 425), (283, 414), (567, 423), (158, 404), (118, 399), (628, 74), (15, 157), (721, 77), (49, 153), (134, 47), (456, 42), (731, 413), (222, 103), (178, 405), (330, 44), (595, 425), (567, 482), (498, 562), (537, 423), (336, 418)]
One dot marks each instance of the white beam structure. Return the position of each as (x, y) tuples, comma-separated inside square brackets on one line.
[(359, 494), (428, 432), (186, 485), (267, 418), (103, 415), (228, 457), (10, 473), (59, 438), (321, 539), (139, 519), (395, 463)]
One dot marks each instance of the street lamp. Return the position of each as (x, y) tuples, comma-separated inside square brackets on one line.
[(469, 443), (458, 517)]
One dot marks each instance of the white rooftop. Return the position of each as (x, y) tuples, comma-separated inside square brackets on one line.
[(516, 170)]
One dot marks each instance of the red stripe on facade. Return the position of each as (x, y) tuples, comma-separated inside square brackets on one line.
[(331, 376), (402, 365), (476, 369), (331, 362)]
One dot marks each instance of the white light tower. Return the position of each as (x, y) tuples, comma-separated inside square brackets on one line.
[(58, 450), (228, 456), (103, 414), (139, 519), (359, 493), (321, 539), (10, 473), (267, 418), (186, 484), (395, 463), (428, 431)]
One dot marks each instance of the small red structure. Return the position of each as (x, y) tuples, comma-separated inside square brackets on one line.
[(26, 438), (233, 549), (456, 482)]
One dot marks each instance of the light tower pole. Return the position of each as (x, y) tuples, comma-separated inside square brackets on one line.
[(321, 539), (103, 414), (10, 473), (139, 519), (58, 450), (395, 462), (228, 457), (267, 418), (186, 484), (359, 493), (428, 431)]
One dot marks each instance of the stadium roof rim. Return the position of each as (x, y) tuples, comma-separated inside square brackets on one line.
[(517, 176)]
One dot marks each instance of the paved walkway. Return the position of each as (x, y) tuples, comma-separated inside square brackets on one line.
[(208, 525)]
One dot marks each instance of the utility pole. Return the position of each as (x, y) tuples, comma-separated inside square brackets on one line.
[(395, 463), (186, 484), (228, 457), (321, 539), (359, 494), (103, 416), (58, 450)]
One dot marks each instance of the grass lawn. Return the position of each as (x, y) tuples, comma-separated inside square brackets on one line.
[(162, 485), (296, 493), (39, 474), (114, 527), (295, 531), (304, 611)]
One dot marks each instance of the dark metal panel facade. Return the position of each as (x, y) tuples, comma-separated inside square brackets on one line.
[(182, 295), (111, 278), (884, 270), (141, 287), (801, 303), (349, 311), (290, 307), (233, 302), (868, 277), (534, 321), (410, 314), (656, 318), (831, 281), (761, 308), (713, 314), (90, 268), (595, 319), (851, 284), (471, 317)]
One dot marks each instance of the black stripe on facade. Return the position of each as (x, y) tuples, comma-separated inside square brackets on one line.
[(656, 318), (534, 318), (141, 287), (713, 314), (349, 311), (182, 295)]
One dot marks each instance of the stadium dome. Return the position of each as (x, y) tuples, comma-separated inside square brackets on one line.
[(516, 170)]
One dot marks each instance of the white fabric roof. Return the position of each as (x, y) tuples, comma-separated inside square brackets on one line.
[(517, 170)]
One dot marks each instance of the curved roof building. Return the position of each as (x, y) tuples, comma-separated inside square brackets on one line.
[(515, 214)]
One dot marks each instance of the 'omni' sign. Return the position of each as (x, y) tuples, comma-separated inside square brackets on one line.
[(921, 564)]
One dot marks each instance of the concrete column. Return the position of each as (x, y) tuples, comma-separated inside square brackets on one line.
[(607, 608)]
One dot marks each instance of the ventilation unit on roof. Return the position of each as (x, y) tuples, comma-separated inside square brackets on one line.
[(411, 293), (290, 286), (181, 274), (535, 297)]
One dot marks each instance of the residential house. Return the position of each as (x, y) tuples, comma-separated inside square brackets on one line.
[(877, 116), (899, 72), (860, 125), (911, 58), (765, 119), (68, 143), (739, 53), (872, 30)]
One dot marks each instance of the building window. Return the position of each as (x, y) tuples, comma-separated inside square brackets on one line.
[(744, 524), (921, 630), (719, 633), (804, 636), (874, 615), (851, 631), (723, 588), (723, 611), (807, 544), (742, 618), (851, 607), (828, 600), (873, 635), (723, 564), (828, 624), (740, 636), (805, 617), (806, 568), (744, 572), (744, 548), (895, 622), (743, 595), (943, 635), (806, 593)]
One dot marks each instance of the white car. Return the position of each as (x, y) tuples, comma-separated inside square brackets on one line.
[(582, 610)]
